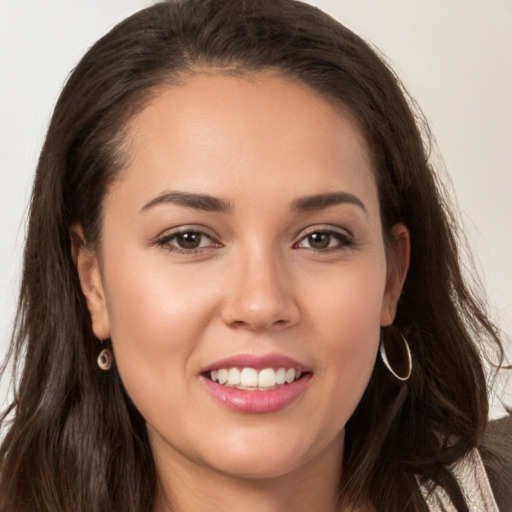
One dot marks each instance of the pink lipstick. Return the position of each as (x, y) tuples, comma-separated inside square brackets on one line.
[(256, 384)]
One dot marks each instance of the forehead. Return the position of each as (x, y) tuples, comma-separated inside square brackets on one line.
[(214, 132)]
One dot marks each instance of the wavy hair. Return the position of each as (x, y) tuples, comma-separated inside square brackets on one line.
[(74, 442)]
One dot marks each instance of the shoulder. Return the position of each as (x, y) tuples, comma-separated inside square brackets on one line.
[(496, 452)]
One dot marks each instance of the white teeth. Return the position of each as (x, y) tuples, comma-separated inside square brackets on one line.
[(267, 378), (249, 377), (281, 376), (252, 379), (234, 376), (222, 375), (290, 375)]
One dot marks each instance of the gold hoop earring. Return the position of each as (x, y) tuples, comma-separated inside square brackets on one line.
[(396, 354)]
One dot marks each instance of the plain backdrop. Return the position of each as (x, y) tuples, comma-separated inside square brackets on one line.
[(454, 57)]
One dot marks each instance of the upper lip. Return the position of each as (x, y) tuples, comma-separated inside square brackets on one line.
[(258, 362)]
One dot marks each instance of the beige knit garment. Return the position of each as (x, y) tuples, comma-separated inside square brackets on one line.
[(472, 478)]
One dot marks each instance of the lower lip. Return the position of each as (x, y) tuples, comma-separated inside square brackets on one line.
[(257, 402)]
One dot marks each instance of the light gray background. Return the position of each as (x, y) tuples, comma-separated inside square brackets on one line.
[(454, 56)]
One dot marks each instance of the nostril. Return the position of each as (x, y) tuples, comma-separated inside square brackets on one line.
[(257, 324), (238, 323)]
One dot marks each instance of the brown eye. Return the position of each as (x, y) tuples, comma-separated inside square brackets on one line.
[(319, 240), (189, 240), (325, 240)]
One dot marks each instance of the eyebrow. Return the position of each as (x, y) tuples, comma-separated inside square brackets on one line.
[(208, 203), (320, 201), (197, 201)]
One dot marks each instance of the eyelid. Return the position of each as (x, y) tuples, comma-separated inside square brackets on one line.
[(185, 228), (324, 228)]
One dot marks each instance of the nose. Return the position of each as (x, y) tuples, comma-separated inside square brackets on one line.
[(260, 294)]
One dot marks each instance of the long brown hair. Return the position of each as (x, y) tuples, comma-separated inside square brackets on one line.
[(74, 441)]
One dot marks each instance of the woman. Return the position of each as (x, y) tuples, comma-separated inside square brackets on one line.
[(241, 288)]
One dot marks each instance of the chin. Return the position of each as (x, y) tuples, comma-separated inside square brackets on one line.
[(258, 467), (258, 460)]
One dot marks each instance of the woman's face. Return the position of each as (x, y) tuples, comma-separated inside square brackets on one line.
[(243, 241)]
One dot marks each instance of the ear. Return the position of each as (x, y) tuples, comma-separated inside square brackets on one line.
[(398, 265), (87, 265)]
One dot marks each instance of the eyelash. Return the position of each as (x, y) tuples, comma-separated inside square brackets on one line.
[(165, 241), (343, 241)]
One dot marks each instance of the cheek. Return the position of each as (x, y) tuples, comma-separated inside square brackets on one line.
[(156, 321), (151, 302), (351, 341), (347, 327), (347, 304)]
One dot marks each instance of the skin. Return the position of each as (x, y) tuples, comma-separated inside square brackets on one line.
[(255, 285)]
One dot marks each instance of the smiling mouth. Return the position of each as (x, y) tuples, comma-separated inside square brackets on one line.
[(251, 379)]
